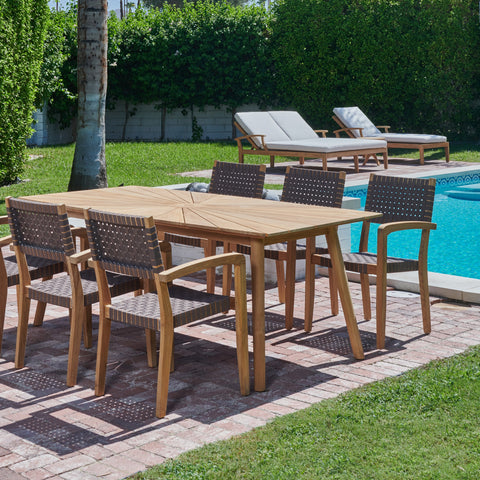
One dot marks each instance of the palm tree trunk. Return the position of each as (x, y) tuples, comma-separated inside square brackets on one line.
[(89, 169)]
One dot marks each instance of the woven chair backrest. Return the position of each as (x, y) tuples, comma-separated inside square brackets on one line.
[(238, 179), (40, 229), (313, 187), (124, 243), (400, 199)]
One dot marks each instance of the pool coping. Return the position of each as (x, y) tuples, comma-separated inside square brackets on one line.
[(452, 287)]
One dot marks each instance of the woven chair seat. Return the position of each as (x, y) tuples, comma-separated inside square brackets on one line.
[(38, 268), (187, 306), (58, 290), (360, 262)]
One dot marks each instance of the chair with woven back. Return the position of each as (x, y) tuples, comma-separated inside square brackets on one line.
[(310, 187), (9, 277), (237, 179), (406, 204), (43, 231), (129, 245)]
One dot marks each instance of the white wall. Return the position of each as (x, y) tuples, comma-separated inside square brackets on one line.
[(145, 124)]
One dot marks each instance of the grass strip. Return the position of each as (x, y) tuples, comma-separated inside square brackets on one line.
[(424, 424)]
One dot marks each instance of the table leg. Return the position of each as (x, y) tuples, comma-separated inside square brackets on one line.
[(211, 249), (290, 283), (309, 283), (257, 260), (344, 292)]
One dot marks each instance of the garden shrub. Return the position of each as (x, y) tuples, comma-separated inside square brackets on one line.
[(22, 33), (413, 64)]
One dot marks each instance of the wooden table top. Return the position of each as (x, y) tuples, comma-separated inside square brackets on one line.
[(180, 211)]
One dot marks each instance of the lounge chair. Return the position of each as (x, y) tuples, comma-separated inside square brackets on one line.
[(286, 133), (357, 125)]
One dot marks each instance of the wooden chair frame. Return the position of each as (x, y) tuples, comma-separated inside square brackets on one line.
[(264, 150), (421, 147), (380, 264), (160, 284)]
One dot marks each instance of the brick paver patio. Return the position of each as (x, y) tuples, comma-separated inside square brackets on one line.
[(51, 431)]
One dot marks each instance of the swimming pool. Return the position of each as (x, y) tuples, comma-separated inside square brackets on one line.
[(454, 247)]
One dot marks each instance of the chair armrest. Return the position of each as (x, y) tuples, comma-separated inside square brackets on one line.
[(323, 132), (347, 130), (249, 138), (80, 257), (3, 219), (387, 228), (201, 264), (4, 241), (385, 127)]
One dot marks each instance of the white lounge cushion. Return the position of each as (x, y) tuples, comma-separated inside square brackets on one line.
[(327, 145), (413, 138), (353, 117), (293, 125), (260, 123)]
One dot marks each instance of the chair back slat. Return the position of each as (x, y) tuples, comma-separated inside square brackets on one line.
[(238, 179), (313, 187), (40, 229), (124, 244), (400, 199)]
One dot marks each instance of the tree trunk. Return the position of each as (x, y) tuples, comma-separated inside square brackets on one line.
[(89, 169)]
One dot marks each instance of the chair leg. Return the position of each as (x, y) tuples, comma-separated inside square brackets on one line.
[(279, 266), (422, 156), (241, 329), (227, 272), (424, 298), (272, 161), (447, 153), (151, 341), (333, 292), (104, 327), (40, 310), (367, 307), (87, 327), (381, 307), (3, 308), (39, 314), (356, 163), (23, 313), (164, 360), (78, 320)]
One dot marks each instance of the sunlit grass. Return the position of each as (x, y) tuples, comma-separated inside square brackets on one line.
[(422, 425)]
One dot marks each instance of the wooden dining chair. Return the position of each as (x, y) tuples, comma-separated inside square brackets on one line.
[(237, 179), (128, 245), (406, 203), (308, 187), (9, 276), (43, 231)]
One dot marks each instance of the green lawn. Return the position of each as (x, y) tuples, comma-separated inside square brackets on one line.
[(422, 425)]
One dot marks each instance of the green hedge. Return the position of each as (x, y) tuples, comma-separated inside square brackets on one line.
[(22, 33), (414, 64)]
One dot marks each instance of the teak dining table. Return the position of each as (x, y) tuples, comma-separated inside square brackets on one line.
[(234, 220)]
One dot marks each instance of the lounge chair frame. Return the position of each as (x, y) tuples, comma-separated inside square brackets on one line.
[(421, 147), (255, 150)]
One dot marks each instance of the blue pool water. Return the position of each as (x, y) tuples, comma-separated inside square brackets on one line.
[(454, 246)]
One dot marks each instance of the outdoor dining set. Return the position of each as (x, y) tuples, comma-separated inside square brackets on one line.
[(122, 258)]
